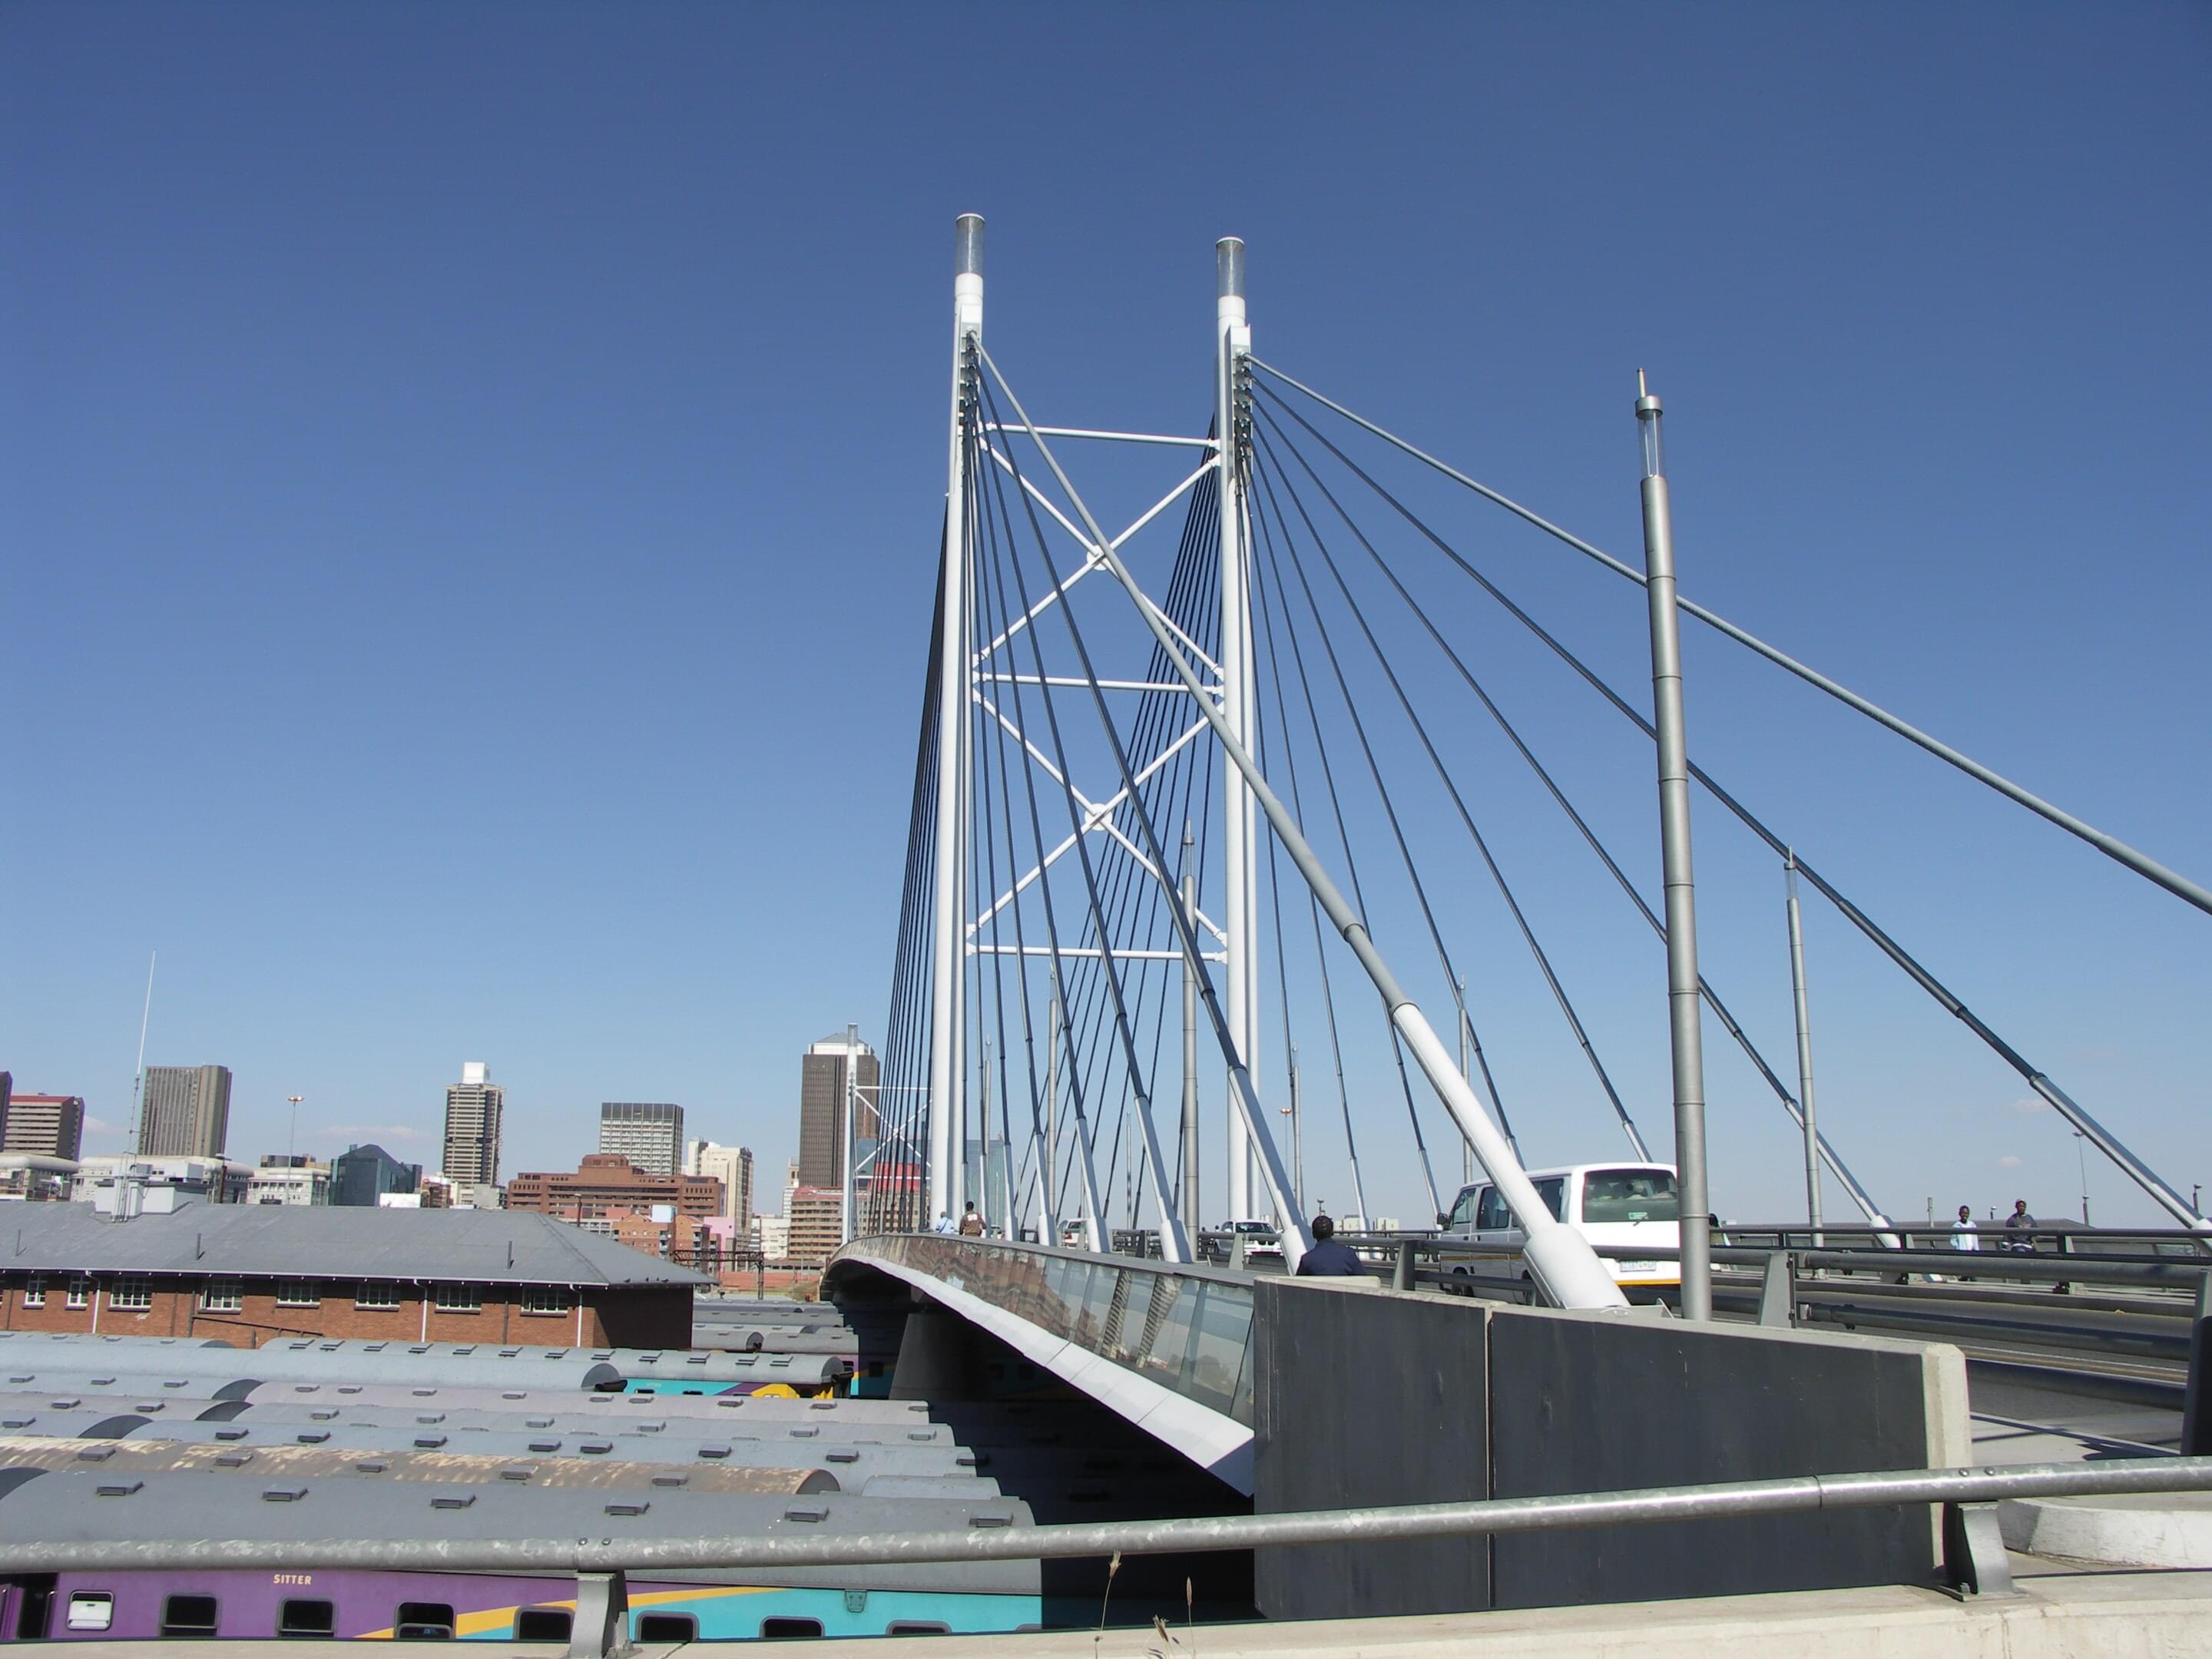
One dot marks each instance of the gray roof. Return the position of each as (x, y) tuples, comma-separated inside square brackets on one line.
[(54, 1506), (489, 1247)]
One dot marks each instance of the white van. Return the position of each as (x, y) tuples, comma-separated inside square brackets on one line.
[(1612, 1205)]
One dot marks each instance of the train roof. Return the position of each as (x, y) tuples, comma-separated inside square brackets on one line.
[(460, 1466), (339, 1241), (40, 1357), (41, 1506)]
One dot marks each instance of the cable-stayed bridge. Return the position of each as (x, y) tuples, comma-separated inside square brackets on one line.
[(1141, 958)]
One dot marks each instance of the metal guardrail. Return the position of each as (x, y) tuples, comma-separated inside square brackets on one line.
[(1958, 1490)]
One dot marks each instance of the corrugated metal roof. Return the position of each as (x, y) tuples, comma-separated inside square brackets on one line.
[(490, 1247), (53, 1506)]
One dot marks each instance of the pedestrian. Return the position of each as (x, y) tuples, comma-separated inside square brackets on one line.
[(1964, 1235), (2019, 1229), (1329, 1259), (971, 1224), (943, 1224)]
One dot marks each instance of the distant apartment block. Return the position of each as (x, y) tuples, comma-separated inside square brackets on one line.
[(731, 1165), (649, 1133), (363, 1176), (289, 1178), (816, 1222), (473, 1108), (823, 1086), (40, 1126), (603, 1185), (185, 1111)]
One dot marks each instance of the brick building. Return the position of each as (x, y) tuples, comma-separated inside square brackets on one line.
[(607, 1184), (250, 1273)]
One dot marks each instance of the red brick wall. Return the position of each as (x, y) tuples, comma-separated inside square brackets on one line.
[(645, 1316)]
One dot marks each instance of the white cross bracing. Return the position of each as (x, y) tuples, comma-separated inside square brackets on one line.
[(1097, 816)]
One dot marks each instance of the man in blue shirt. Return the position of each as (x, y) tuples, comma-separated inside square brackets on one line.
[(1329, 1259)]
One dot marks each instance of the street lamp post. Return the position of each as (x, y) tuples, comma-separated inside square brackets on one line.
[(292, 1135)]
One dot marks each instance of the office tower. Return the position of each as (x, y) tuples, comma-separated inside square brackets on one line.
[(649, 1133), (731, 1165), (44, 1125), (185, 1112), (473, 1113), (361, 1176), (822, 1086)]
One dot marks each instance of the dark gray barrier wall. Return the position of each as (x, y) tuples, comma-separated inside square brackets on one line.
[(1584, 1404), (1363, 1399), (1374, 1398)]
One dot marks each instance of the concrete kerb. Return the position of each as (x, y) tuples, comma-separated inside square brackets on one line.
[(2163, 1530), (2064, 1616)]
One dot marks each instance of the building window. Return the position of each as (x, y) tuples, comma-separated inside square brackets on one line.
[(221, 1296), (298, 1294), (547, 1299), (79, 1293), (457, 1299), (34, 1291), (132, 1295), (382, 1293)]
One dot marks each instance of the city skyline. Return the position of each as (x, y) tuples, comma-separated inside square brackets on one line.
[(515, 519)]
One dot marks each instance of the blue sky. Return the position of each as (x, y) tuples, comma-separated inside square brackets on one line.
[(471, 480)]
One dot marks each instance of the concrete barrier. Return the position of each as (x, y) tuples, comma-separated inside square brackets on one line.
[(1365, 1397)]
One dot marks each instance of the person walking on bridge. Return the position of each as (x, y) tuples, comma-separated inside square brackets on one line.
[(971, 1224), (2019, 1229), (1329, 1259), (1964, 1235)]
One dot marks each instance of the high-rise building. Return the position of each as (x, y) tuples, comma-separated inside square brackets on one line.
[(649, 1133), (362, 1176), (473, 1107), (822, 1089), (185, 1112), (45, 1126), (731, 1165)]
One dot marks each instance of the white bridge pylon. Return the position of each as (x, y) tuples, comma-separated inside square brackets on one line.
[(984, 668)]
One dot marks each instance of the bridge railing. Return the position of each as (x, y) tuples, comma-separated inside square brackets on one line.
[(1187, 1327)]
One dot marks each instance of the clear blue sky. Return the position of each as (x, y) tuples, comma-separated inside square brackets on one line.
[(469, 482)]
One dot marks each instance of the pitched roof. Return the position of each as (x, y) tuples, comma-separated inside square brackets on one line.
[(493, 1247)]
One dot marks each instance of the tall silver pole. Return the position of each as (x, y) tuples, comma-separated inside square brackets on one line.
[(1804, 1051), (1466, 1071), (138, 1077), (983, 1173), (1190, 1190), (1298, 1141), (1232, 340), (948, 967), (1683, 1014), (850, 1185), (1052, 1118)]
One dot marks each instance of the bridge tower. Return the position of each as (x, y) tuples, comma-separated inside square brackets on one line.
[(948, 1137), (1239, 681)]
